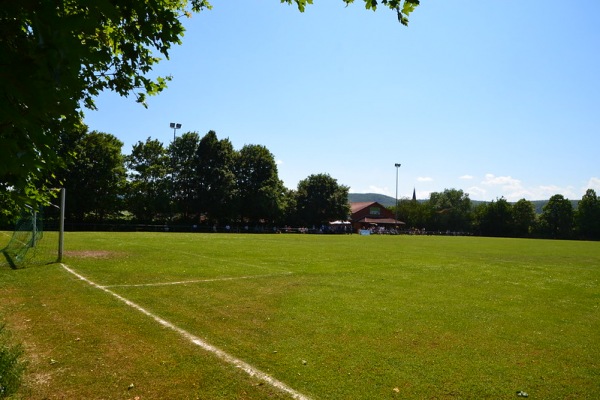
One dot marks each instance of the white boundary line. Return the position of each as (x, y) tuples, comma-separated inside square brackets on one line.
[(244, 366), (194, 281)]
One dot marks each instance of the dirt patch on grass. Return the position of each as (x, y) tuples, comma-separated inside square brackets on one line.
[(91, 254)]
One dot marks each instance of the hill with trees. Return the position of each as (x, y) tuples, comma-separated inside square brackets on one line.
[(382, 199), (389, 201)]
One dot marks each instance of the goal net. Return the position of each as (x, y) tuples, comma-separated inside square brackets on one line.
[(37, 237)]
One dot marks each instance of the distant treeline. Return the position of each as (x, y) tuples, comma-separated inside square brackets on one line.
[(389, 201), (203, 182), (453, 211)]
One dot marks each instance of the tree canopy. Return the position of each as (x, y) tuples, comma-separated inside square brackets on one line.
[(148, 187), (259, 189), (98, 178), (495, 218), (56, 56), (320, 199), (451, 210), (556, 220), (588, 216), (183, 173)]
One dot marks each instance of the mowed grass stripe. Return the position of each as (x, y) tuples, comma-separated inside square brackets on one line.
[(194, 281)]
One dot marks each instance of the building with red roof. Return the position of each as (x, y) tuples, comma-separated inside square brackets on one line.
[(364, 215)]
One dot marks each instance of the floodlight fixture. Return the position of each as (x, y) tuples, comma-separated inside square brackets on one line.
[(175, 126)]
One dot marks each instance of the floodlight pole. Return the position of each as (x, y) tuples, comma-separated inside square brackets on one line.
[(175, 126), (397, 165)]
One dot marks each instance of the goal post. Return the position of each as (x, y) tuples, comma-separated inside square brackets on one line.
[(61, 225)]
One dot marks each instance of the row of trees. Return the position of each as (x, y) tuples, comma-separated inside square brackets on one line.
[(452, 210), (195, 180), (205, 181)]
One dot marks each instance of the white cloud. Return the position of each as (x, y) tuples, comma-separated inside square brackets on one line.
[(279, 162), (506, 186), (512, 189), (593, 183), (379, 190), (476, 192), (503, 186), (423, 194), (549, 189), (504, 181), (493, 187)]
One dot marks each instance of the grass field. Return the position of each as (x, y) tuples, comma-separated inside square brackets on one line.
[(331, 317)]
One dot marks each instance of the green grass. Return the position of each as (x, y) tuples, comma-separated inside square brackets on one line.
[(334, 317), (11, 365)]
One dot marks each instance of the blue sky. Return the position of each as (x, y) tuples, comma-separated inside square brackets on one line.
[(497, 98)]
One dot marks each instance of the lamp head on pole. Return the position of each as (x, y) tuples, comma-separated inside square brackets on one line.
[(397, 165)]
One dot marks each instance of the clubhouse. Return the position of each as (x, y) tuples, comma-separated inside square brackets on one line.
[(372, 215)]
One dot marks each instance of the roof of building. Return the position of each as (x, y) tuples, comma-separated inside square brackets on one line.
[(385, 217), (385, 221), (354, 207)]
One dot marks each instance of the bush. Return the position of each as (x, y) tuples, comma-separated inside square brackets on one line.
[(11, 368)]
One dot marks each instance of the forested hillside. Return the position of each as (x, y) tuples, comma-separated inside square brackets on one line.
[(389, 201)]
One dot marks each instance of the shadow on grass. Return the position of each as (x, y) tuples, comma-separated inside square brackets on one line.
[(9, 260)]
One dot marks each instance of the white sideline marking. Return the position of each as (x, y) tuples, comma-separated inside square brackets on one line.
[(195, 281), (244, 366)]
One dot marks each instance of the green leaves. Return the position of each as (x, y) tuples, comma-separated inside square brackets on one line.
[(56, 57), (55, 60), (321, 199), (371, 4), (300, 3), (403, 8)]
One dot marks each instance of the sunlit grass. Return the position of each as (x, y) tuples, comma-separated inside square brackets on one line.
[(335, 317)]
